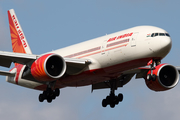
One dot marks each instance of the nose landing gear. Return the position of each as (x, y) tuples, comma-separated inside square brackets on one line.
[(152, 76)]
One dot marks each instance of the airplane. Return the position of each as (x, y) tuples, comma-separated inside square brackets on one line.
[(109, 61)]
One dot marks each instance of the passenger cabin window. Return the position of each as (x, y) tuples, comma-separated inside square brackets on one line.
[(159, 34)]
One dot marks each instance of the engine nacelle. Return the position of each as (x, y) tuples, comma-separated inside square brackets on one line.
[(165, 77), (48, 67)]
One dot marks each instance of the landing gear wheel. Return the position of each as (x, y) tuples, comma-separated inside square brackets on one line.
[(41, 98), (108, 99), (151, 77), (112, 105), (120, 97), (57, 92), (112, 100), (53, 96), (44, 94), (104, 102), (49, 95), (49, 99), (116, 100)]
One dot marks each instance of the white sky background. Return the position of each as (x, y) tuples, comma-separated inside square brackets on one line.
[(51, 25)]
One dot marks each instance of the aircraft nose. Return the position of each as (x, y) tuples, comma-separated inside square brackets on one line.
[(166, 44)]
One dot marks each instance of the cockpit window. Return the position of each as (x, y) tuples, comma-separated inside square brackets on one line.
[(156, 34), (167, 34), (159, 34), (152, 35)]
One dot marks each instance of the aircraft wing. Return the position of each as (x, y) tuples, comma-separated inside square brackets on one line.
[(126, 76), (74, 66), (6, 58), (7, 73), (178, 68)]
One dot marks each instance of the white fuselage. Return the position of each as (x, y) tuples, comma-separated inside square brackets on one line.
[(110, 50), (113, 54)]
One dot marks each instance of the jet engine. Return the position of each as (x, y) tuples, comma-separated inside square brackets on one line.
[(162, 77), (48, 67)]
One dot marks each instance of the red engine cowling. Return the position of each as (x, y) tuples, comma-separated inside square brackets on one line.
[(166, 77), (48, 67)]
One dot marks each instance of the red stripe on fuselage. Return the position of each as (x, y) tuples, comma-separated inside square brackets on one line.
[(94, 51), (116, 47)]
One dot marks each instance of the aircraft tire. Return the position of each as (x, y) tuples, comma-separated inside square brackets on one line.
[(57, 92), (41, 98), (153, 77), (112, 105), (49, 99), (116, 100), (120, 97), (104, 102), (53, 96), (149, 77), (108, 99), (45, 94)]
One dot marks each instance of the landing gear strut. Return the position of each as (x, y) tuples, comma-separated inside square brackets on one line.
[(152, 76), (112, 99), (49, 95)]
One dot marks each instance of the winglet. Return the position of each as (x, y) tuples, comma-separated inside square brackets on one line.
[(18, 39)]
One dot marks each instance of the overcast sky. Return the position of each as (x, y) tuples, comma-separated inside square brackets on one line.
[(50, 25)]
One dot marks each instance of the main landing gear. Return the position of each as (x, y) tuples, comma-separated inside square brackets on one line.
[(112, 99), (49, 95)]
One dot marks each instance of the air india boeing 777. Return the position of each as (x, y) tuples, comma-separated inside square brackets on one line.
[(109, 61)]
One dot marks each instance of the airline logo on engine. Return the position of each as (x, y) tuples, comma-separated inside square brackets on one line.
[(19, 31)]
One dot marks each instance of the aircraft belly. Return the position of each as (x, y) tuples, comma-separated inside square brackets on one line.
[(100, 75)]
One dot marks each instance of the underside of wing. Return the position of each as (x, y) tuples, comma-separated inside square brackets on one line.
[(76, 66), (123, 79)]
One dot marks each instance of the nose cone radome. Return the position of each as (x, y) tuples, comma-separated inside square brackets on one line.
[(166, 44)]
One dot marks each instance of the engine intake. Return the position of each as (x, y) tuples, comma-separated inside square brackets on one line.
[(166, 77), (48, 67)]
